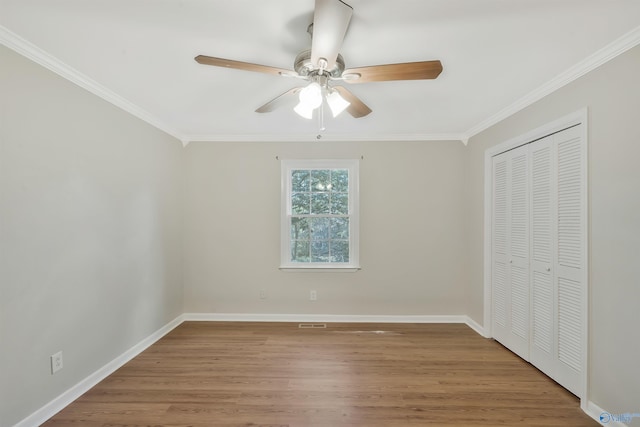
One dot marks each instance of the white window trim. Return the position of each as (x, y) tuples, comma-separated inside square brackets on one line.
[(353, 165)]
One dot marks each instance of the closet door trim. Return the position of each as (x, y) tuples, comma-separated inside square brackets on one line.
[(571, 120)]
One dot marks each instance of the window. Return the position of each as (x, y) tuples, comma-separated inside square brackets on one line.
[(320, 214)]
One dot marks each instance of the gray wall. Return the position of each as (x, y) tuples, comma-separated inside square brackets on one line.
[(90, 233), (92, 206), (612, 94), (411, 239)]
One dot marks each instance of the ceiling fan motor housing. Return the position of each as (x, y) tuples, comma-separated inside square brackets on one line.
[(304, 67)]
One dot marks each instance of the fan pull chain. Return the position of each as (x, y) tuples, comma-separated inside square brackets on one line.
[(321, 126)]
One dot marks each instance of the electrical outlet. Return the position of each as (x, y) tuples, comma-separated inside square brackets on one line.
[(56, 362), (263, 294), (313, 295)]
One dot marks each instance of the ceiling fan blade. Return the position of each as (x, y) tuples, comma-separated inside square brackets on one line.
[(357, 108), (423, 70), (238, 65), (330, 21), (278, 101)]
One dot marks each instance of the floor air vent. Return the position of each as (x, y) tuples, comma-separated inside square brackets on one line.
[(312, 325)]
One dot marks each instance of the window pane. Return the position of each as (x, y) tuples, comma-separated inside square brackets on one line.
[(340, 251), (339, 228), (319, 207), (320, 180), (320, 203), (320, 252), (340, 180), (300, 203), (300, 229), (300, 251), (300, 181), (319, 228), (340, 203)]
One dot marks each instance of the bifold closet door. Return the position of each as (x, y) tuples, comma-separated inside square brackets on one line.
[(570, 261), (543, 292), (539, 268), (510, 245), (557, 261)]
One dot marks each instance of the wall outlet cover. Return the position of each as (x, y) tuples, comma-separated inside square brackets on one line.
[(56, 362)]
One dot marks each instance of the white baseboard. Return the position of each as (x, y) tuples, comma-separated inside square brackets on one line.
[(324, 318), (605, 418), (476, 326), (334, 318), (60, 402)]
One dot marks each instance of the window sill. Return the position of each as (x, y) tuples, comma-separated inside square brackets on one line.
[(289, 269)]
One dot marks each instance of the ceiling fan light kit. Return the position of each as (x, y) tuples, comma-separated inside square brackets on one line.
[(315, 94), (323, 64)]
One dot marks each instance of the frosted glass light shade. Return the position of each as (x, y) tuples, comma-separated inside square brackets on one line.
[(303, 110), (311, 95), (310, 99), (337, 103)]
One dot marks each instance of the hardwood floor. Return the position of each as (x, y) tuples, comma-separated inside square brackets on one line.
[(352, 375)]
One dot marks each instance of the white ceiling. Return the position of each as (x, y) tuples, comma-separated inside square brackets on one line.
[(497, 56)]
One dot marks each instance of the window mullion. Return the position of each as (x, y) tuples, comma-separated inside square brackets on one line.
[(319, 186)]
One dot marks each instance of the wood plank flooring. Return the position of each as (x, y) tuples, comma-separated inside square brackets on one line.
[(228, 374)]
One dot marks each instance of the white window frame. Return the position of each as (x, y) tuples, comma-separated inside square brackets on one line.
[(287, 166)]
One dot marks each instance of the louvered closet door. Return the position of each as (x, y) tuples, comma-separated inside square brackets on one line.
[(500, 271), (511, 250), (543, 293), (538, 249), (570, 262)]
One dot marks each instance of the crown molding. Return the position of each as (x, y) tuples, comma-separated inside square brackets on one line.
[(600, 57), (39, 56), (34, 53), (311, 137)]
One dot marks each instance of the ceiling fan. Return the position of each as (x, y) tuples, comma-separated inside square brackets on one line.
[(322, 65)]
